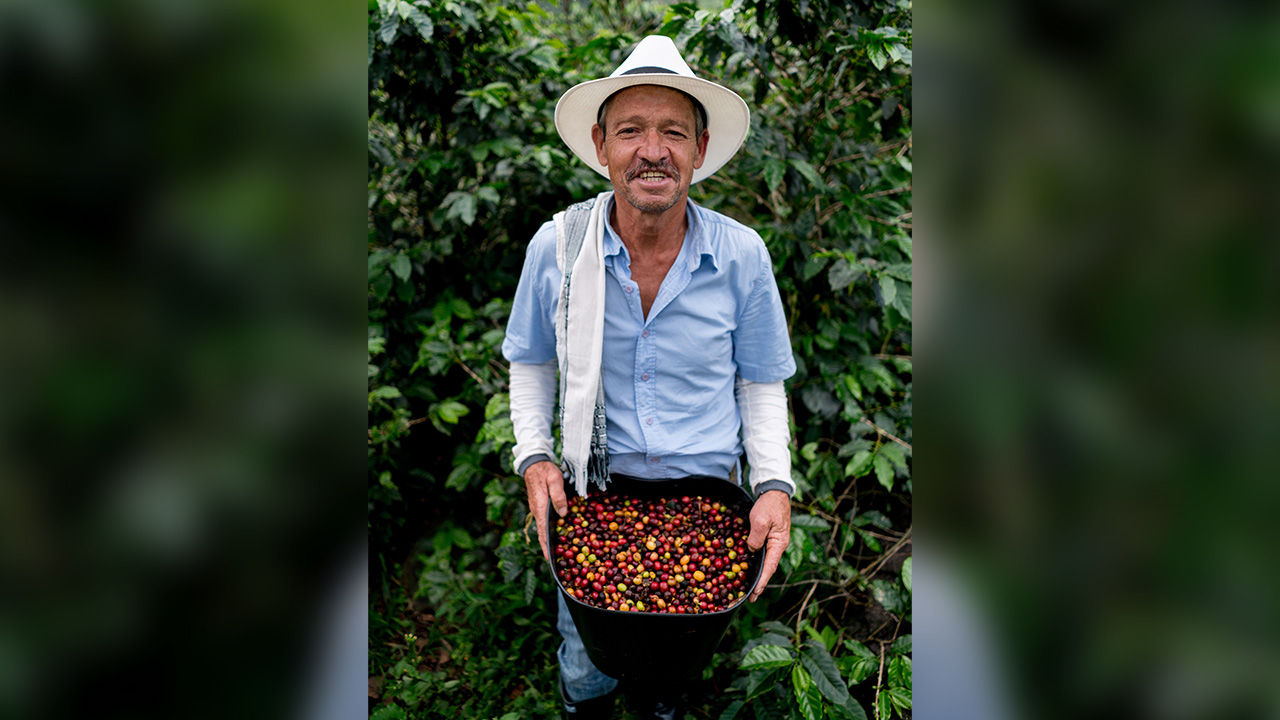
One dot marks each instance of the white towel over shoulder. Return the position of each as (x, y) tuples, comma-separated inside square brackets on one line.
[(580, 340)]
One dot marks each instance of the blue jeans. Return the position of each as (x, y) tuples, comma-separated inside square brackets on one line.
[(582, 680)]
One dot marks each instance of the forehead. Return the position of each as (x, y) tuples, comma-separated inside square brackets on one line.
[(652, 99)]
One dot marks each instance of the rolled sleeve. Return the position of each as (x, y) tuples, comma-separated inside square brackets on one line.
[(761, 343), (530, 334)]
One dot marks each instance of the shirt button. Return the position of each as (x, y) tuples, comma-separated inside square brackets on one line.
[(644, 376), (644, 334), (655, 461), (628, 288), (649, 421)]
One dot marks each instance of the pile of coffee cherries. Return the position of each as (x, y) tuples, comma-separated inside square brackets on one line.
[(660, 555)]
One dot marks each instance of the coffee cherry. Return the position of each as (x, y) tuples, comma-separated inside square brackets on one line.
[(641, 555)]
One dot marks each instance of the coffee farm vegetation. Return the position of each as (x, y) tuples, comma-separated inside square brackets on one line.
[(464, 165)]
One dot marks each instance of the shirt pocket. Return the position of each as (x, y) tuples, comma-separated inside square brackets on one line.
[(697, 368)]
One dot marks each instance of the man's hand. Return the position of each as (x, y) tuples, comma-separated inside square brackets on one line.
[(543, 480), (771, 529)]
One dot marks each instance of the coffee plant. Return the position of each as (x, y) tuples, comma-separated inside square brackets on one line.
[(464, 165)]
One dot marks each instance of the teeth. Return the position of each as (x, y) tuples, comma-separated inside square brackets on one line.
[(651, 176)]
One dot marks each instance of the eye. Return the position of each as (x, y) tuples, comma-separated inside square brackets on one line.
[(625, 131)]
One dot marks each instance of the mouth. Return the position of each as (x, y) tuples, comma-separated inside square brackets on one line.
[(652, 179)]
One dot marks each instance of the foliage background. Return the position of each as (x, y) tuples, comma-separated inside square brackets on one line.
[(464, 164)]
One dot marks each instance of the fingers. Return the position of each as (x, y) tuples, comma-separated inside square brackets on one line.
[(555, 486), (537, 489), (772, 556), (770, 529), (538, 508)]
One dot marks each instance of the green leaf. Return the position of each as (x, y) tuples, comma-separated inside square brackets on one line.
[(860, 664), (872, 542), (878, 57), (826, 676), (884, 471), (419, 19), (509, 562), (530, 585), (906, 574), (387, 32), (899, 670), (897, 455), (774, 170), (889, 596), (772, 638), (775, 626), (461, 205), (388, 712), (450, 411), (813, 265), (888, 289), (902, 645), (899, 697), (766, 656), (858, 466), (400, 266), (852, 711), (854, 387), (461, 538), (901, 271), (807, 697), (809, 522), (385, 392), (804, 168), (761, 681), (488, 194), (731, 710), (843, 273), (460, 477), (874, 518), (902, 300)]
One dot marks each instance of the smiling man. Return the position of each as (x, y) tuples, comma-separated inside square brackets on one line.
[(661, 318)]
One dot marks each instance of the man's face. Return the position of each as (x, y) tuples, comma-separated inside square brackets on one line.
[(649, 146)]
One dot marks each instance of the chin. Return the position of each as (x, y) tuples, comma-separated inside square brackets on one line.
[(650, 203)]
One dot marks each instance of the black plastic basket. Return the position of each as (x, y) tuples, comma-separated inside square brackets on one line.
[(650, 648)]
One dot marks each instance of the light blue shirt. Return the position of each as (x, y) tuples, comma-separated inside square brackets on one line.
[(668, 378)]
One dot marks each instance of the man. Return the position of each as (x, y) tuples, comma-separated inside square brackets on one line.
[(666, 327)]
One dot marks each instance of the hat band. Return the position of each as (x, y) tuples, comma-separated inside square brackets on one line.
[(650, 69)]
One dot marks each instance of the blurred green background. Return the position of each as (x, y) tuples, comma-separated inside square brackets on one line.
[(1097, 316), (181, 391)]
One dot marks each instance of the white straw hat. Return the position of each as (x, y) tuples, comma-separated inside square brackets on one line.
[(655, 61)]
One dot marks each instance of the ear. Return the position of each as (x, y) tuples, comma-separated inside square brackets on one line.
[(701, 155), (597, 137)]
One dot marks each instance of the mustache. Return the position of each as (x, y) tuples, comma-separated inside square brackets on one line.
[(663, 167)]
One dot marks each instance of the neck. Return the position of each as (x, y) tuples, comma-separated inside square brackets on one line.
[(649, 232)]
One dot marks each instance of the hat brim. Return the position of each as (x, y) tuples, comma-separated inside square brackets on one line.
[(728, 118)]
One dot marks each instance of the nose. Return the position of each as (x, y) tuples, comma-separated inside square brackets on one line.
[(651, 147)]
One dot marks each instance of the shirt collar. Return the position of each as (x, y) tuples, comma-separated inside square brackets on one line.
[(699, 245)]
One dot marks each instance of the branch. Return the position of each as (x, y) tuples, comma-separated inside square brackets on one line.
[(803, 605), (887, 434), (874, 567), (875, 711)]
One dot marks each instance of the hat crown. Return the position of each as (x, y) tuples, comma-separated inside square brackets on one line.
[(655, 53), (654, 61)]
